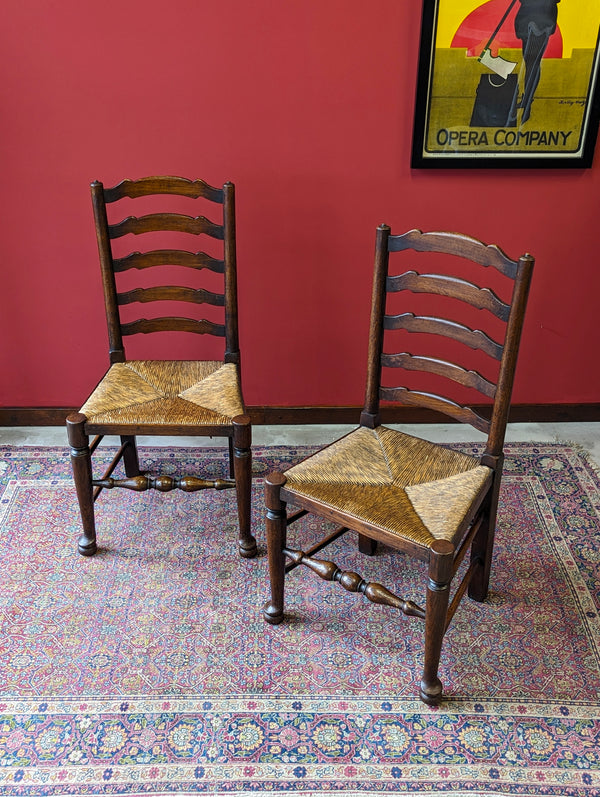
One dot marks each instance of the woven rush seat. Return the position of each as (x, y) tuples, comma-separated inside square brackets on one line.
[(401, 484), (185, 392)]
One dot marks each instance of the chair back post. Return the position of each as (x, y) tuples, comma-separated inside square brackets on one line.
[(232, 345), (510, 352), (370, 414), (115, 339)]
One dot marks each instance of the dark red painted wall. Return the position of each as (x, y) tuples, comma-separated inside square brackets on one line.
[(307, 106)]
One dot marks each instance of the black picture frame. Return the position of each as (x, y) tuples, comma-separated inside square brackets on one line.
[(459, 125)]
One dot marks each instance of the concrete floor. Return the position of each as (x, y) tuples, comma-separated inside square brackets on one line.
[(586, 435)]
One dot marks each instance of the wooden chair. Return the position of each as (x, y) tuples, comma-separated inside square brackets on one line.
[(165, 397), (428, 501)]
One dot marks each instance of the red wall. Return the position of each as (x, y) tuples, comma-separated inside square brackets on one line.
[(307, 106)]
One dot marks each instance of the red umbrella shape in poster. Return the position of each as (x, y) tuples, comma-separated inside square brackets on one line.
[(476, 29)]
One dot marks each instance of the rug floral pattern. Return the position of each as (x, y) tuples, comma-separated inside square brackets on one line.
[(147, 669)]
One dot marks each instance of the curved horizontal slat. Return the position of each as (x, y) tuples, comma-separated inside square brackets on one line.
[(455, 288), (474, 338), (455, 244), (437, 403), (165, 222), (168, 257), (174, 293), (180, 186), (145, 325), (441, 368)]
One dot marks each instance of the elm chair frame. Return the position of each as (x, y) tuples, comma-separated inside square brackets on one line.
[(158, 397), (440, 503)]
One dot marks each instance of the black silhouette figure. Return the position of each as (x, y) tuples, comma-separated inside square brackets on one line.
[(534, 24)]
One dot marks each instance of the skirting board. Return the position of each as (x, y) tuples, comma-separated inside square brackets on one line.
[(520, 413)]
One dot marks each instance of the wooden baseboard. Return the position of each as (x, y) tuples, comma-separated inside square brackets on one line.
[(520, 413)]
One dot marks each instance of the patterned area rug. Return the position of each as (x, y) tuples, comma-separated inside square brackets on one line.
[(148, 669)]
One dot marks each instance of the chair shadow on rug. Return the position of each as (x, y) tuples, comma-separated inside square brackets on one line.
[(426, 500), (165, 397)]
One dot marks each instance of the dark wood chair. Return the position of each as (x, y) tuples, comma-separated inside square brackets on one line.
[(157, 396), (429, 501)]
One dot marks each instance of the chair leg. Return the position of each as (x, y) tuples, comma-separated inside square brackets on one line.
[(482, 546), (366, 545), (438, 592), (242, 468), (130, 456), (81, 462), (276, 537), (231, 467)]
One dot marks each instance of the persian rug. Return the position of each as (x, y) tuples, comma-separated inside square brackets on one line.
[(148, 669)]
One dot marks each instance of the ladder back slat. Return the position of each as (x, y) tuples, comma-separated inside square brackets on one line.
[(174, 293), (165, 222), (145, 325), (456, 244), (168, 257), (442, 368), (437, 403), (179, 186), (455, 288), (474, 338)]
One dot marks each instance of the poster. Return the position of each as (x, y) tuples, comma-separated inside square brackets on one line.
[(507, 83)]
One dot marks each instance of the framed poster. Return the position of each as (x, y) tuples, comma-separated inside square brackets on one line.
[(507, 83)]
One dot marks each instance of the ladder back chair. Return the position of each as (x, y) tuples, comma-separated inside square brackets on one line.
[(165, 397), (428, 501)]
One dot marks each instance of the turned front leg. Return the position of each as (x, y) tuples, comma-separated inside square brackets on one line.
[(438, 590), (276, 525), (242, 468), (81, 462)]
